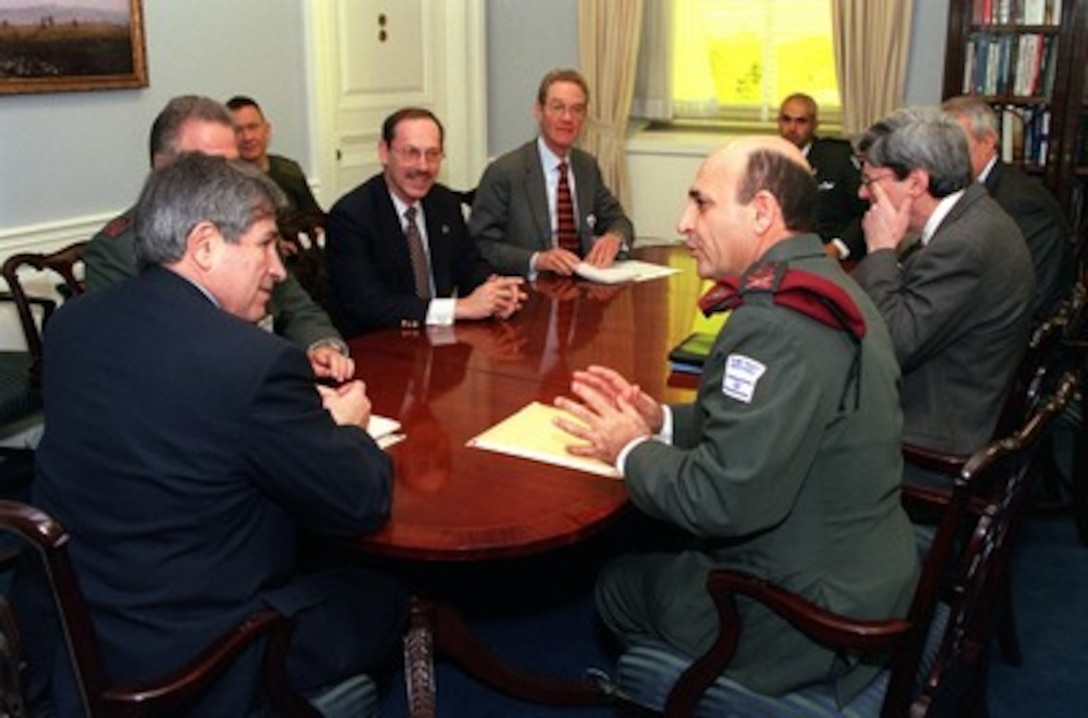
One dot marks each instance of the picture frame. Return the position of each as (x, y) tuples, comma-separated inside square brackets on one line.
[(71, 45)]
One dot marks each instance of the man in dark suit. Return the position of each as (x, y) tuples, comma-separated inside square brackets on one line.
[(959, 304), (839, 210), (186, 450), (515, 217), (191, 123), (1027, 201), (397, 250)]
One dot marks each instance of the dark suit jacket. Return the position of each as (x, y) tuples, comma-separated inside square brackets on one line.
[(185, 450), (510, 215), (370, 273), (959, 312), (839, 209), (1043, 225)]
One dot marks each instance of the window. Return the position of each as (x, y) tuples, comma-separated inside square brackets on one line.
[(735, 60)]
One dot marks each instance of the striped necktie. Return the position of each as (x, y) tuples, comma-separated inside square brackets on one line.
[(566, 232), (420, 272)]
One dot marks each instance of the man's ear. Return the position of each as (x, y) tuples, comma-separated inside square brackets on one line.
[(918, 182), (202, 244), (766, 209)]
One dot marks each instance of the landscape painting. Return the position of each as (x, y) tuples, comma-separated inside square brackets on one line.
[(64, 45)]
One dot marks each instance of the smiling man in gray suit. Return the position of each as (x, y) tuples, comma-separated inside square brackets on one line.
[(958, 302), (515, 219)]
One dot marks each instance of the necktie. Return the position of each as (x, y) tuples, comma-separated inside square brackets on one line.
[(566, 232), (420, 271)]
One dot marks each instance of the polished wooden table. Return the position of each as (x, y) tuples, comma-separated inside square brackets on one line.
[(452, 503)]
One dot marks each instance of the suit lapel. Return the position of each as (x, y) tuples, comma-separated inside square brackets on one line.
[(536, 195), (438, 244), (390, 225), (584, 189)]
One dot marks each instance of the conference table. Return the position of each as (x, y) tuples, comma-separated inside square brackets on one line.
[(455, 503)]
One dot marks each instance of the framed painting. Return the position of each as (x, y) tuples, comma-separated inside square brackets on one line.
[(66, 45)]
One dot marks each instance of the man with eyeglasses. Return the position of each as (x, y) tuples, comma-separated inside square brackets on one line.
[(958, 305), (396, 246), (544, 207)]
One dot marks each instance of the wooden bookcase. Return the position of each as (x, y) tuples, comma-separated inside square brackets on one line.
[(991, 46)]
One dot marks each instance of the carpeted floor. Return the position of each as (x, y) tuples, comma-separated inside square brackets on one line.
[(555, 631)]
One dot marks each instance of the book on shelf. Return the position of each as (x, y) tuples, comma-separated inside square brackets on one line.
[(1016, 12)]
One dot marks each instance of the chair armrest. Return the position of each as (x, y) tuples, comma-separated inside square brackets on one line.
[(179, 689), (824, 626), (941, 462), (830, 629)]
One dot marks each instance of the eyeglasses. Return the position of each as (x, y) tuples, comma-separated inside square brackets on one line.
[(559, 109), (415, 154), (869, 179)]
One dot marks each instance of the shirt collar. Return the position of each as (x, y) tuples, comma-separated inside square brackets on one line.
[(941, 211), (985, 173), (548, 159), (401, 206)]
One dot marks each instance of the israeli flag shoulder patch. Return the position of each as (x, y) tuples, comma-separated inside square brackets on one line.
[(741, 376)]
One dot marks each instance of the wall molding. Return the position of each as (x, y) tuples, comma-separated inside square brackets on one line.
[(49, 236)]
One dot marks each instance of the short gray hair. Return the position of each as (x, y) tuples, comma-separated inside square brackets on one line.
[(196, 188), (178, 111), (920, 138), (980, 117)]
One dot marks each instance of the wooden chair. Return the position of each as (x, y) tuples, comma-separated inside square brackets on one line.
[(1043, 364), (62, 265), (170, 694), (303, 236), (982, 588), (924, 647)]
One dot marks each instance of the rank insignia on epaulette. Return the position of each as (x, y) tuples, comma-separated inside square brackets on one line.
[(117, 226)]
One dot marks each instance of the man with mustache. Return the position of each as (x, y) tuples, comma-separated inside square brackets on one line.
[(396, 247)]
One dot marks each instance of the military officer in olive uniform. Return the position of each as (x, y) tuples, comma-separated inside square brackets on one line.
[(787, 464)]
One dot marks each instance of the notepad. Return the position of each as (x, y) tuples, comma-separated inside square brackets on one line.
[(626, 270), (690, 354), (532, 434)]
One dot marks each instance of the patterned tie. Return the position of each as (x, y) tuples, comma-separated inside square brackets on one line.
[(420, 271), (566, 232)]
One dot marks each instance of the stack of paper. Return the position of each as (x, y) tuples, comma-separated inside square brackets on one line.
[(531, 433), (384, 431), (627, 270)]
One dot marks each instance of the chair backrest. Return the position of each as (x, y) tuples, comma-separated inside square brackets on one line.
[(1014, 463), (1036, 372), (304, 251), (62, 264), (167, 695)]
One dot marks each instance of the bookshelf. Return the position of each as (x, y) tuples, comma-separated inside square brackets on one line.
[(1027, 58)]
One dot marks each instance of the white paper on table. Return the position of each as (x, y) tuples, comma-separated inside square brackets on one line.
[(384, 430), (531, 434), (625, 270)]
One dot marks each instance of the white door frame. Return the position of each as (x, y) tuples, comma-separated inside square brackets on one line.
[(463, 36)]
